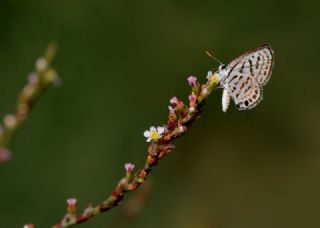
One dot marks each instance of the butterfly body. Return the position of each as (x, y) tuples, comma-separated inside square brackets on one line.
[(243, 78)]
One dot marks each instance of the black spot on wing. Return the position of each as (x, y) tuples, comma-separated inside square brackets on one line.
[(233, 78), (251, 69), (242, 67)]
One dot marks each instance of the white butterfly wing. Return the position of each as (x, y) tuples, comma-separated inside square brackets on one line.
[(244, 90), (258, 63), (246, 75)]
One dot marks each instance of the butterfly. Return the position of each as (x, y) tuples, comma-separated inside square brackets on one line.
[(243, 78)]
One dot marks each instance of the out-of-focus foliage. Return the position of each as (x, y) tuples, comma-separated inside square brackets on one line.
[(121, 62)]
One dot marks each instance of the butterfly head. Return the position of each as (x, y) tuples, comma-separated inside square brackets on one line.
[(221, 72), (222, 67)]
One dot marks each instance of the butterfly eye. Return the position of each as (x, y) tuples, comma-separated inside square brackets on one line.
[(222, 67)]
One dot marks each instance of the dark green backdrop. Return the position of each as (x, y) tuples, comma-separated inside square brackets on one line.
[(121, 62)]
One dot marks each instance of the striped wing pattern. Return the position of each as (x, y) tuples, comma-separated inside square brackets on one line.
[(246, 75)]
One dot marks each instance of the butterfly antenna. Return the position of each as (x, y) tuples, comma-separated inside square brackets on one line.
[(212, 57)]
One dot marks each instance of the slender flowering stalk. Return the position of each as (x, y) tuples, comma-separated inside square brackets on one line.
[(38, 82), (161, 142)]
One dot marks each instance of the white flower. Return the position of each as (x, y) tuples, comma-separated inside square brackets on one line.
[(209, 75), (154, 134)]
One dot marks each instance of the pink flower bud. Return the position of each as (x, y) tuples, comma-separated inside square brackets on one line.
[(5, 154), (33, 78), (72, 202), (192, 81), (174, 101), (129, 167), (192, 99)]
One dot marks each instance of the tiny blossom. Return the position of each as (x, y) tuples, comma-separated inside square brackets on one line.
[(154, 134), (28, 226), (129, 167), (72, 202), (192, 81), (88, 211), (10, 121), (41, 64), (5, 154), (174, 101), (205, 91), (192, 110), (33, 78), (192, 98), (182, 129)]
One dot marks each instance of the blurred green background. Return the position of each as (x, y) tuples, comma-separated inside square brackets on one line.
[(121, 62)]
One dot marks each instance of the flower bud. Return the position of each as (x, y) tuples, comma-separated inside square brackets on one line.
[(174, 101), (41, 64), (72, 203), (10, 121), (129, 167), (5, 155), (192, 81), (193, 100)]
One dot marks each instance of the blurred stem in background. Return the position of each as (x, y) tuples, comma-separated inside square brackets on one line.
[(38, 82), (132, 207)]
